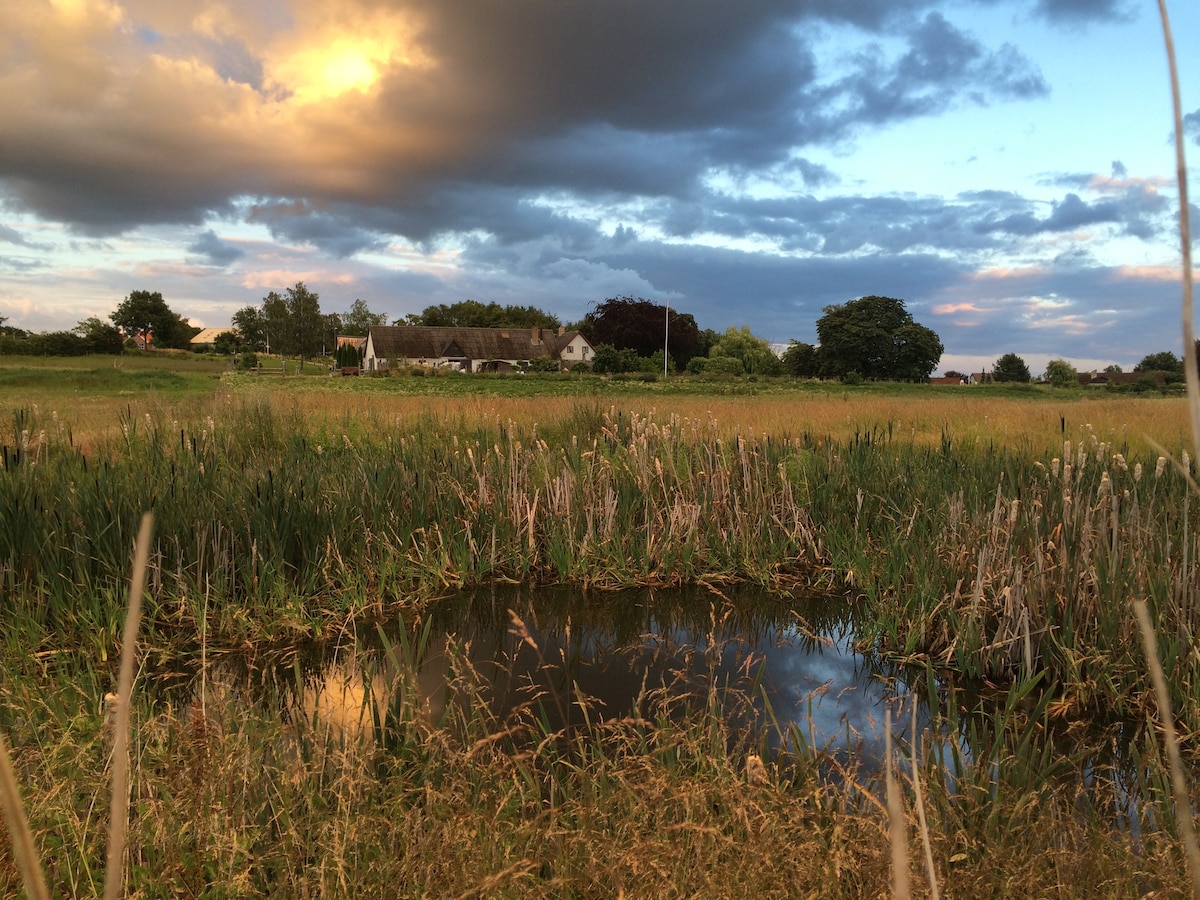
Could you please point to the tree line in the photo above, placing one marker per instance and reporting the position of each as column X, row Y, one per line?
column 870, row 338
column 143, row 316
column 1163, row 365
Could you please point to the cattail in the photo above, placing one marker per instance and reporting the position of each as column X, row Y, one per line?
column 1187, row 463
column 1160, row 467
column 1105, row 486
column 1119, row 462
column 756, row 772
column 1054, row 463
column 1137, row 473
column 1013, row 508
column 108, row 718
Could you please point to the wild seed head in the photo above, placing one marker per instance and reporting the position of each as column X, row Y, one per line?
column 1013, row 509
column 1137, row 473
column 1186, row 460
column 1119, row 462
column 108, row 718
column 1054, row 463
column 1160, row 467
column 756, row 772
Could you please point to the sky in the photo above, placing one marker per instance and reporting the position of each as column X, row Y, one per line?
column 1004, row 167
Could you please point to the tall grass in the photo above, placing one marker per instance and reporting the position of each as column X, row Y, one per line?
column 986, row 561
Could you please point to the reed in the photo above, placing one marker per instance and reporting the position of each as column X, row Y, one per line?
column 988, row 561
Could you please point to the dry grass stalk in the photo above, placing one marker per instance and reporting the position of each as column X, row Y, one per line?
column 119, row 807
column 901, row 888
column 1183, row 802
column 919, row 800
column 1185, row 234
column 18, row 827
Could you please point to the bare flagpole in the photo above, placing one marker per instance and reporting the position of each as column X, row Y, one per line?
column 666, row 333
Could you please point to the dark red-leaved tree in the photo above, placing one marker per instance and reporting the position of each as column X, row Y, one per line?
column 637, row 324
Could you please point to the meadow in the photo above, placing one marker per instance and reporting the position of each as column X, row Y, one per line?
column 988, row 543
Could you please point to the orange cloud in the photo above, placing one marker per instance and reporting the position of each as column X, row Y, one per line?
column 1148, row 273
column 949, row 308
column 998, row 273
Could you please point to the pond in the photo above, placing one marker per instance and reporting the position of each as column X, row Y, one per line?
column 783, row 671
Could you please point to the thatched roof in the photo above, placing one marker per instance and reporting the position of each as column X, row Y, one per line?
column 208, row 335
column 441, row 342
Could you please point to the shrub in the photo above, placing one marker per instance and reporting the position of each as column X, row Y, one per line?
column 723, row 365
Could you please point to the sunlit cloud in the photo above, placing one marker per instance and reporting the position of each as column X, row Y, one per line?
column 1007, row 273
column 1169, row 274
column 946, row 309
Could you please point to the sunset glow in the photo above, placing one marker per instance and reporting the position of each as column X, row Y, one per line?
column 763, row 163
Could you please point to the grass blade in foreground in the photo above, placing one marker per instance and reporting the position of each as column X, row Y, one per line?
column 1183, row 803
column 119, row 810
column 18, row 828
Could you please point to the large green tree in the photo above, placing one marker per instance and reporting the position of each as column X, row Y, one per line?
column 1010, row 367
column 755, row 354
column 473, row 314
column 100, row 336
column 252, row 328
column 1163, row 361
column 877, row 338
column 801, row 360
column 277, row 324
column 359, row 320
column 1061, row 374
column 145, row 312
column 307, row 325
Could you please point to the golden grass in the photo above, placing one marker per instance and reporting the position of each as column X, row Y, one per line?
column 922, row 415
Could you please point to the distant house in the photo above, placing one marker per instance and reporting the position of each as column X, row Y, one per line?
column 949, row 379
column 472, row 349
column 207, row 337
column 1101, row 379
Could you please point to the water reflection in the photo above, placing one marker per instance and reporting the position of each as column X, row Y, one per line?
column 782, row 671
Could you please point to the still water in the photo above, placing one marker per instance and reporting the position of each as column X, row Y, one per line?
column 782, row 672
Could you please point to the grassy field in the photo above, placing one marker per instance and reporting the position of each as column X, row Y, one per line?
column 989, row 541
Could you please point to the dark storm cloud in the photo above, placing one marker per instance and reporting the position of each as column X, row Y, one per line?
column 530, row 95
column 337, row 231
column 1135, row 207
column 12, row 236
column 941, row 66
column 1191, row 125
column 1080, row 12
column 218, row 252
